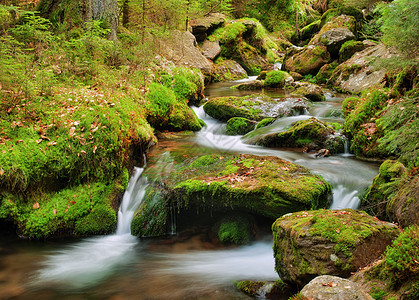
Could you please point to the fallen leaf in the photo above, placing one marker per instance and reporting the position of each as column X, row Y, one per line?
column 36, row 205
column 1, row 172
column 82, row 151
column 38, row 141
column 54, row 211
column 94, row 149
column 72, row 131
column 338, row 230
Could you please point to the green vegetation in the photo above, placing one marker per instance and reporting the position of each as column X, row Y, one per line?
column 349, row 48
column 276, row 79
column 239, row 126
column 234, row 229
column 224, row 108
column 265, row 122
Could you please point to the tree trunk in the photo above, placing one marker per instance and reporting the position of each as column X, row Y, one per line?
column 106, row 10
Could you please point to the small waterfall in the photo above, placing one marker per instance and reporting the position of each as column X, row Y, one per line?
column 91, row 260
column 344, row 198
column 131, row 201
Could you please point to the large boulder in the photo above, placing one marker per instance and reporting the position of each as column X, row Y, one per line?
column 334, row 288
column 254, row 107
column 358, row 73
column 328, row 242
column 307, row 60
column 239, row 126
column 181, row 48
column 335, row 33
column 227, row 70
column 311, row 134
column 203, row 27
column 211, row 49
column 394, row 194
column 206, row 188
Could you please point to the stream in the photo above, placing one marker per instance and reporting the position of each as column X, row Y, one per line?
column 121, row 266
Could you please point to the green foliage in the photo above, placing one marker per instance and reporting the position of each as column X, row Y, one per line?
column 32, row 29
column 276, row 78
column 401, row 258
column 400, row 26
column 378, row 294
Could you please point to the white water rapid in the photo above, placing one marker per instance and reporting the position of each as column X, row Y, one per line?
column 89, row 261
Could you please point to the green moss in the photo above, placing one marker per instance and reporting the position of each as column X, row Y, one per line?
column 224, row 108
column 349, row 48
column 234, row 230
column 265, row 122
column 79, row 211
column 239, row 126
column 250, row 288
column 276, row 78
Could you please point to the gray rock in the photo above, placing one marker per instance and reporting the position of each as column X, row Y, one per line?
column 211, row 49
column 334, row 38
column 203, row 27
column 306, row 61
column 250, row 85
column 357, row 73
column 181, row 48
column 328, row 287
column 227, row 70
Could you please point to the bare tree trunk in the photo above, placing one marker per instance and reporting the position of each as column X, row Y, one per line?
column 106, row 10
column 125, row 13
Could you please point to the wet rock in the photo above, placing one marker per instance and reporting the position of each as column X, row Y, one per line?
column 228, row 70
column 327, row 242
column 325, row 72
column 311, row 134
column 296, row 76
column 204, row 188
column 181, row 48
column 358, row 73
column 322, row 153
column 307, row 60
column 249, row 85
column 265, row 289
column 254, row 107
column 203, row 27
column 309, row 90
column 239, row 126
column 211, row 49
column 333, row 288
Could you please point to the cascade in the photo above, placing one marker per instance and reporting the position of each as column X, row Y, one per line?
column 89, row 261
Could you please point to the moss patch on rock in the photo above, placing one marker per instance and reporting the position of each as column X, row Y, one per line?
column 239, row 126
column 327, row 242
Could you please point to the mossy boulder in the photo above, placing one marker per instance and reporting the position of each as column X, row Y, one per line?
column 203, row 189
column 166, row 110
column 82, row 210
column 396, row 275
column 312, row 134
column 349, row 48
column 325, row 72
column 239, row 126
column 254, row 107
column 393, row 194
column 327, row 242
column 307, row 60
column 311, row 91
column 265, row 122
column 277, row 79
column 335, row 33
column 227, row 70
column 308, row 31
column 246, row 42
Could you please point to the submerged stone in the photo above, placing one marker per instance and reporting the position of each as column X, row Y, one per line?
column 328, row 242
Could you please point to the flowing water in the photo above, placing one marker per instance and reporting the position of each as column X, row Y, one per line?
column 120, row 266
